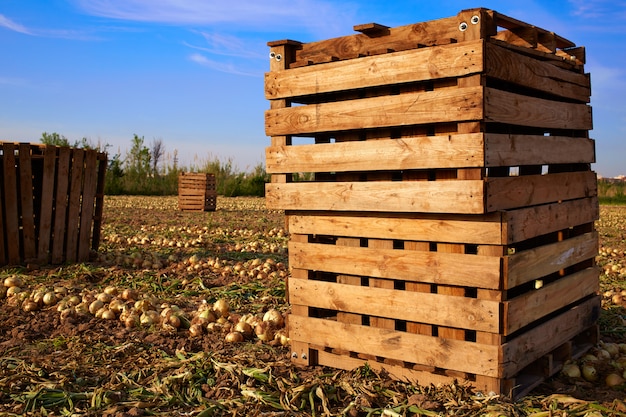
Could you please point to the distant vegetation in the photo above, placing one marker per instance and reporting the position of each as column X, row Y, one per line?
column 611, row 191
column 144, row 170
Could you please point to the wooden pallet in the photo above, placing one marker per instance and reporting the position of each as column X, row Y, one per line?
column 447, row 229
column 197, row 192
column 52, row 202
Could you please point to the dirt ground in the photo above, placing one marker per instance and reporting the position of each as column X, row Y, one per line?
column 76, row 364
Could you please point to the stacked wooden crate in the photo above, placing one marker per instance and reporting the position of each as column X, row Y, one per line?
column 448, row 231
column 197, row 192
column 51, row 205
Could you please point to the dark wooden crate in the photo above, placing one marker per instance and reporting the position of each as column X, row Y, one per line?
column 52, row 202
column 197, row 192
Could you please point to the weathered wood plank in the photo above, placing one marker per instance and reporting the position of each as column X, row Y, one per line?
column 87, row 205
column 29, row 242
column 399, row 38
column 73, row 211
column 392, row 196
column 445, row 353
column 445, row 105
column 534, row 305
column 504, row 193
column 484, row 229
column 535, row 263
column 11, row 212
column 438, row 309
column 47, row 200
column 507, row 65
column 60, row 209
column 530, row 222
column 450, row 151
column 453, row 60
column 516, row 150
column 527, row 347
column 408, row 265
column 516, row 109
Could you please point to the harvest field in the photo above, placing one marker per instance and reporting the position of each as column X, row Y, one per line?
column 143, row 329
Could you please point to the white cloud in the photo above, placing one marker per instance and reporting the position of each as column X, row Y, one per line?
column 313, row 16
column 222, row 66
column 11, row 25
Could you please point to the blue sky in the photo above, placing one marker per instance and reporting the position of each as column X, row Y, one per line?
column 190, row 72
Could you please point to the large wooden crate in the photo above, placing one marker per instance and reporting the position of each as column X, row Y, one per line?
column 448, row 228
column 197, row 192
column 52, row 202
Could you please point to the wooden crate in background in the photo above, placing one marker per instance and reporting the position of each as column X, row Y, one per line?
column 52, row 202
column 448, row 231
column 197, row 192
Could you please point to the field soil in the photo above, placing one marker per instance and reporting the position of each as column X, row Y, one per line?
column 59, row 358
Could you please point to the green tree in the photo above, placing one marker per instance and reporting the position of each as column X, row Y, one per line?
column 54, row 139
column 137, row 167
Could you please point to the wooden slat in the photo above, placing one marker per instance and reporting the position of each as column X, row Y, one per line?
column 407, row 196
column 484, row 229
column 453, row 60
column 516, row 109
column 73, row 211
column 3, row 255
column 504, row 193
column 534, row 305
column 535, row 263
column 375, row 319
column 531, row 345
column 516, row 150
column 87, row 205
column 99, row 204
column 448, row 151
column 408, row 265
column 60, row 209
column 438, row 309
column 47, row 200
column 399, row 38
column 507, row 65
column 446, row 105
column 534, row 221
column 29, row 241
column 11, row 204
column 445, row 353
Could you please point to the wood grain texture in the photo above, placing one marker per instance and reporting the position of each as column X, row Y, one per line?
column 47, row 201
column 453, row 60
column 11, row 212
column 507, row 65
column 439, row 106
column 534, row 305
column 503, row 193
column 409, row 265
column 408, row 196
column 535, row 263
column 482, row 229
column 27, row 213
column 438, row 309
column 449, row 151
column 445, row 353
column 516, row 109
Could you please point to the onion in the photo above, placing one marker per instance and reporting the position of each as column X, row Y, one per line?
column 243, row 328
column 612, row 349
column 49, row 298
column 234, row 337
column 13, row 281
column 221, row 307
column 128, row 294
column 571, row 370
column 30, row 305
column 174, row 321
column 132, row 320
column 13, row 291
column 589, row 373
column 149, row 317
column 195, row 330
column 264, row 331
column 108, row 314
column 613, row 380
column 95, row 306
column 274, row 318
